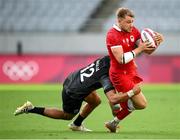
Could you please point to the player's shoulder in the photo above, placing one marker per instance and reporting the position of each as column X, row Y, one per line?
column 112, row 30
column 104, row 58
column 112, row 34
column 105, row 61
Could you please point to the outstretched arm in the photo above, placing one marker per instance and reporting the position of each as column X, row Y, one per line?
column 115, row 98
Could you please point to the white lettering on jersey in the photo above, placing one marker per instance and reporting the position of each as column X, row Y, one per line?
column 84, row 74
column 97, row 65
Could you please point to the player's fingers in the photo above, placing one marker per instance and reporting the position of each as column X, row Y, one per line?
column 150, row 49
column 158, row 40
column 149, row 44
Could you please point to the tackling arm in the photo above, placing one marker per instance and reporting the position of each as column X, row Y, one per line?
column 115, row 98
column 110, row 91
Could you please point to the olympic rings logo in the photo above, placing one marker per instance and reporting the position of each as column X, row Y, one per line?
column 20, row 70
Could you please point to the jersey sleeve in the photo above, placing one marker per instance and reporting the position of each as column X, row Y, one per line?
column 106, row 83
column 112, row 40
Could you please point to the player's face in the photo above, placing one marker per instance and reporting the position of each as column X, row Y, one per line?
column 126, row 23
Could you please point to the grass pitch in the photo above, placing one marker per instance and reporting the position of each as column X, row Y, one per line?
column 160, row 120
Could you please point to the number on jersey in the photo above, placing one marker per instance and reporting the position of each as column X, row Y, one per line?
column 87, row 72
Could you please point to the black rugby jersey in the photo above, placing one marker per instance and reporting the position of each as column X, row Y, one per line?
column 94, row 76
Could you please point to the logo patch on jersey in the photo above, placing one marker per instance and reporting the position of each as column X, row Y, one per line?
column 132, row 38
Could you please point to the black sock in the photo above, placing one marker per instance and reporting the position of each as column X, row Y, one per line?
column 37, row 110
column 78, row 120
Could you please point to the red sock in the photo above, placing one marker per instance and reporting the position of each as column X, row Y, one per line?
column 124, row 112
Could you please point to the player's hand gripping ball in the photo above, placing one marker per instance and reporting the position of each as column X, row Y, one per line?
column 148, row 35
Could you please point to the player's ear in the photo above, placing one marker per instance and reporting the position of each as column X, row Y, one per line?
column 119, row 19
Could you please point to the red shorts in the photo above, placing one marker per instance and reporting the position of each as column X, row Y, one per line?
column 124, row 81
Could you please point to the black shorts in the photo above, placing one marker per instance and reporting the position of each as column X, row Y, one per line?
column 70, row 105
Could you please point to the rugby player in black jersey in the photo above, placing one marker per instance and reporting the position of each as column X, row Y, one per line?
column 80, row 86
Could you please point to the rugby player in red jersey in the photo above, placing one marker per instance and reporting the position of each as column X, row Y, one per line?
column 124, row 44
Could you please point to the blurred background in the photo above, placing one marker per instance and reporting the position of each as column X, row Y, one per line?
column 42, row 41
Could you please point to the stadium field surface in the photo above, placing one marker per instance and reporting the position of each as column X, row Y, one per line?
column 160, row 120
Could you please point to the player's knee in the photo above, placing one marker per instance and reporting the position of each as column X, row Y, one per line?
column 97, row 102
column 137, row 90
column 142, row 105
column 94, row 103
column 93, row 100
column 68, row 116
column 139, row 101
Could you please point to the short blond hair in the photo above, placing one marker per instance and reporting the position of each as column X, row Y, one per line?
column 122, row 12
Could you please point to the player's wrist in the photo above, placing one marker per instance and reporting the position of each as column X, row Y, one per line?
column 138, row 51
column 134, row 54
column 130, row 93
column 128, row 56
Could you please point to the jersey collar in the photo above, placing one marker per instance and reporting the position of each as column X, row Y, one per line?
column 116, row 27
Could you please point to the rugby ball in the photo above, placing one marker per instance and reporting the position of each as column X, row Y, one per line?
column 147, row 35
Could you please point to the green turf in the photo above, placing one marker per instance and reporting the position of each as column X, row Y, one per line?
column 160, row 120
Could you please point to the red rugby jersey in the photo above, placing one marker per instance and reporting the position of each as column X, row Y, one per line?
column 116, row 37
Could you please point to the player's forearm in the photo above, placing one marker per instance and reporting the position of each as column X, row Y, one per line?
column 121, row 57
column 116, row 98
column 119, row 98
column 125, row 57
column 137, row 51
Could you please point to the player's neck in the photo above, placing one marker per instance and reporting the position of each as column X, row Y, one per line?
column 119, row 26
